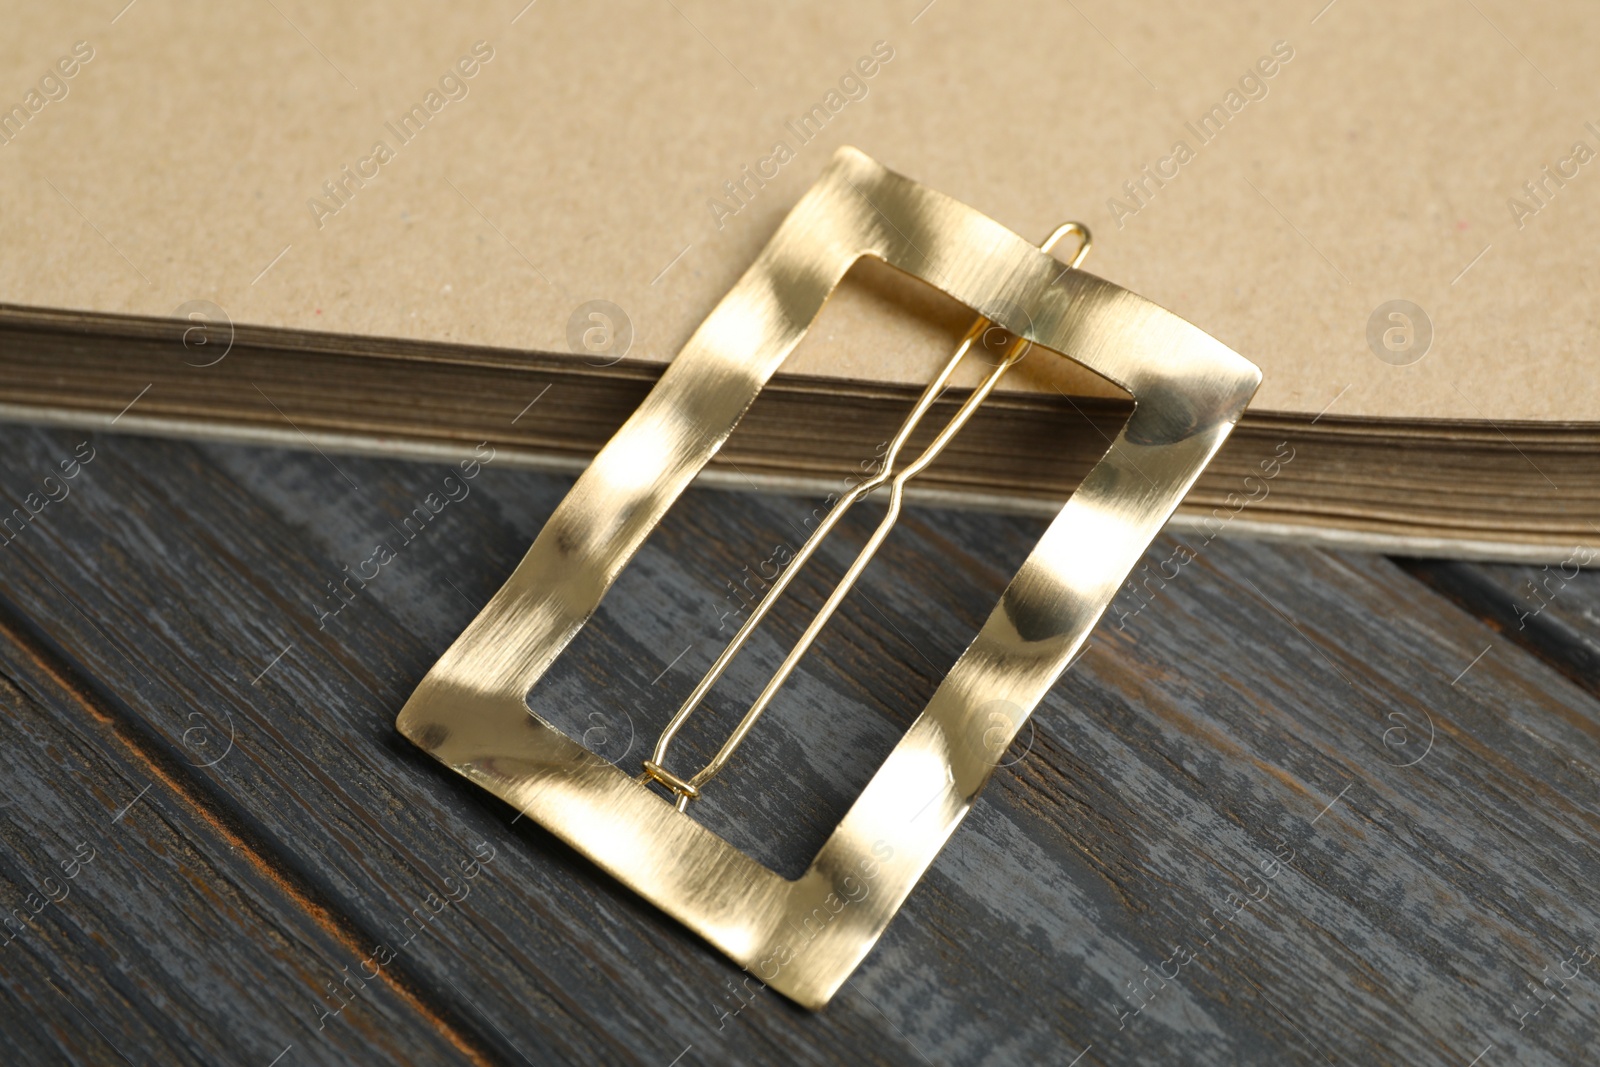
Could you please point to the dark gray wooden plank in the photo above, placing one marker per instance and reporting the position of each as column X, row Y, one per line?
column 1267, row 698
column 1425, row 896
column 1551, row 611
column 137, row 926
column 167, row 579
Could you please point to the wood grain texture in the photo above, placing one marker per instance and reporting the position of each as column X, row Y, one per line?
column 145, row 928
column 1551, row 611
column 1434, row 828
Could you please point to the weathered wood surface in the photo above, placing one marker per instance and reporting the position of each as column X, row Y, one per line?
column 1552, row 611
column 135, row 913
column 1315, row 729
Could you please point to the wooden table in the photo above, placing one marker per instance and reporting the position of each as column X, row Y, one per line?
column 1298, row 807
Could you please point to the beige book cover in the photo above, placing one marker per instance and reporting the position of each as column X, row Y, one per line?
column 1389, row 207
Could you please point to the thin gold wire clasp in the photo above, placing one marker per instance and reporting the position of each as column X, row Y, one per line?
column 687, row 789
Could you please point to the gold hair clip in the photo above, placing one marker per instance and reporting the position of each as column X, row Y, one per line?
column 804, row 937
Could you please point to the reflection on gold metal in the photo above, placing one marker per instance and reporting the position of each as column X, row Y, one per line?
column 805, row 937
column 687, row 790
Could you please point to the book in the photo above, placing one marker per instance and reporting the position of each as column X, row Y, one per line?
column 408, row 232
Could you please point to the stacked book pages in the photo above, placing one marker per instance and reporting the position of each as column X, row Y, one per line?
column 410, row 233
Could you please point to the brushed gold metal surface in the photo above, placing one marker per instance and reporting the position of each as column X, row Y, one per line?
column 888, row 474
column 804, row 937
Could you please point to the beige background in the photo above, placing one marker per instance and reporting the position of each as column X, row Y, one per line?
column 1377, row 167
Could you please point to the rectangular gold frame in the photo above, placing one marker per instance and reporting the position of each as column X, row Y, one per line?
column 805, row 937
